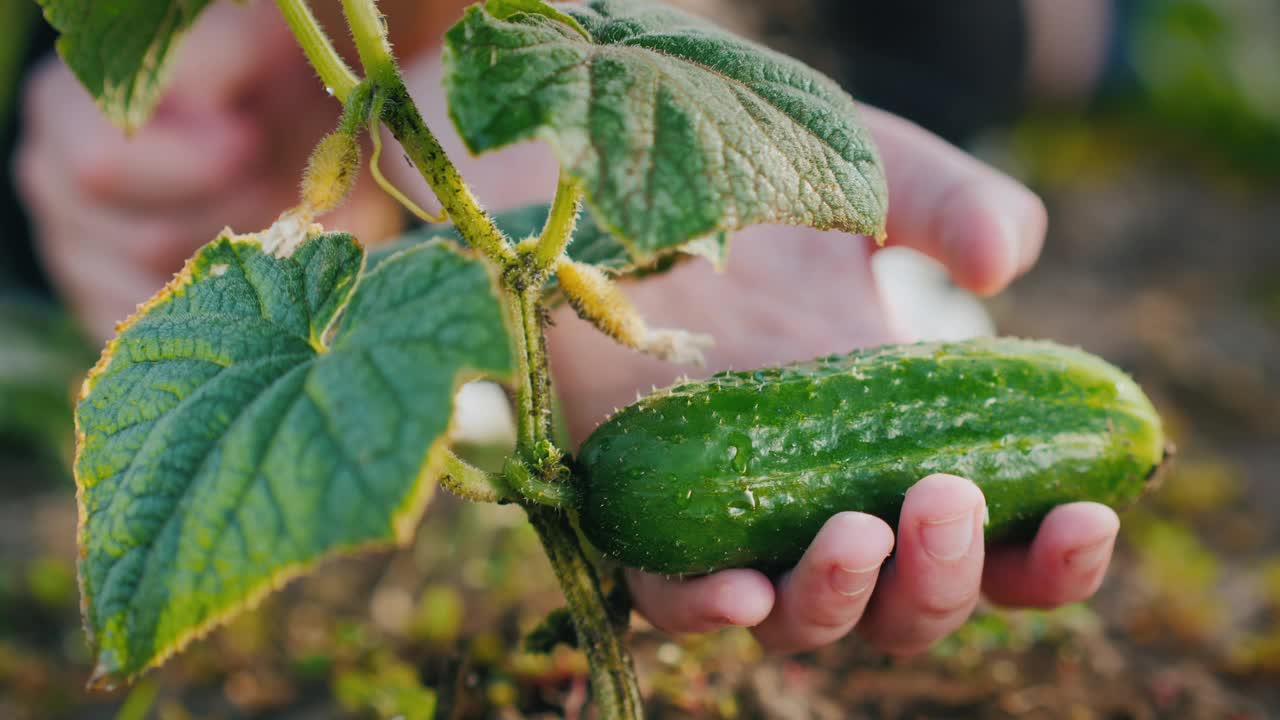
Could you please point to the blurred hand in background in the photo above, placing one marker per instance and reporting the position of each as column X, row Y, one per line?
column 115, row 216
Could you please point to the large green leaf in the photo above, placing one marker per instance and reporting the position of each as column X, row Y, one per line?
column 677, row 129
column 119, row 48
column 234, row 433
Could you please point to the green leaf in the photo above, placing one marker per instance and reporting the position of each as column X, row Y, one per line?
column 590, row 244
column 555, row 629
column 234, row 433
column 676, row 129
column 503, row 9
column 119, row 48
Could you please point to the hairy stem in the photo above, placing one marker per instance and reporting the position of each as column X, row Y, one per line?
column 333, row 71
column 401, row 116
column 558, row 230
column 370, row 34
column 537, row 489
column 613, row 675
column 468, row 481
column 539, row 376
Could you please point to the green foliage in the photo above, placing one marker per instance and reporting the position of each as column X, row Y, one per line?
column 1207, row 68
column 238, row 429
column 503, row 9
column 15, row 26
column 51, row 582
column 120, row 48
column 677, row 129
column 555, row 629
column 391, row 690
column 40, row 359
column 438, row 618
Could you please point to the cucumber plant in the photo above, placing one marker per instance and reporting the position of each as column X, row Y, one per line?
column 288, row 395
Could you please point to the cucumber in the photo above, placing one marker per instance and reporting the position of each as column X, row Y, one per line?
column 742, row 469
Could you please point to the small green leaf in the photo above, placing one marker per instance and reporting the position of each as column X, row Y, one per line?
column 503, row 9
column 555, row 629
column 119, row 48
column 235, row 433
column 677, row 129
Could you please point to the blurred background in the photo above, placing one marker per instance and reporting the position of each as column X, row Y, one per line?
column 1152, row 130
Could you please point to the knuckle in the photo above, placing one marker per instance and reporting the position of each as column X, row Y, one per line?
column 95, row 169
column 823, row 616
column 940, row 607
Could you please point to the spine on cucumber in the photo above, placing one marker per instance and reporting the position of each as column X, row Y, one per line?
column 742, row 469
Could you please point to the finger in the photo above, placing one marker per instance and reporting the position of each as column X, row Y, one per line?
column 225, row 54
column 71, row 224
column 983, row 225
column 821, row 600
column 731, row 597
column 174, row 161
column 1065, row 563
column 932, row 584
column 170, row 165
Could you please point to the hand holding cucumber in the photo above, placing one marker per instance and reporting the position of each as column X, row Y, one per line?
column 772, row 307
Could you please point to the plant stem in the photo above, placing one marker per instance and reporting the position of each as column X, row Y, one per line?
column 613, row 676
column 401, row 116
column 370, row 34
column 468, row 481
column 558, row 230
column 539, row 375
column 333, row 71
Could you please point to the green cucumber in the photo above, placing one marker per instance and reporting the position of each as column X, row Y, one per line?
column 742, row 469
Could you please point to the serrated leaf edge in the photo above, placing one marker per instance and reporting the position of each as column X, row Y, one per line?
column 404, row 521
column 546, row 132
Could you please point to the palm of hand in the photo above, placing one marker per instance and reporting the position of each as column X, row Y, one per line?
column 786, row 294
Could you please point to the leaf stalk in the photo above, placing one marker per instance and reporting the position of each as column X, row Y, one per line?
column 470, row 482
column 370, row 34
column 561, row 221
column 333, row 70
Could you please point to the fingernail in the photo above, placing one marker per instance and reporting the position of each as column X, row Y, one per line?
column 948, row 538
column 852, row 583
column 1089, row 557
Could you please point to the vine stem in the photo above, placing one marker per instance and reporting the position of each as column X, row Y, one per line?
column 404, row 121
column 370, row 34
column 613, row 677
column 333, row 71
column 470, row 482
column 561, row 220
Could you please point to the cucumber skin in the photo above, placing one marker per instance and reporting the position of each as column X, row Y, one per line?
column 743, row 469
